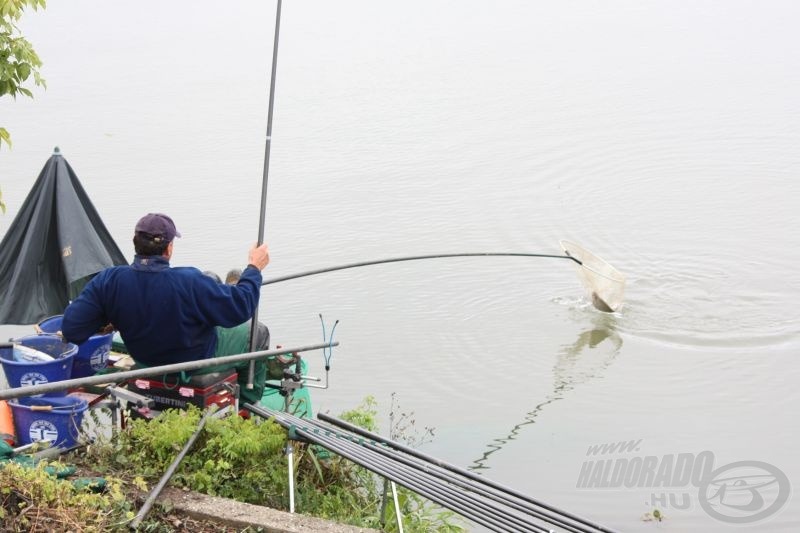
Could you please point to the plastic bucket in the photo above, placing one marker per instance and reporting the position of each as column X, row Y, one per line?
column 54, row 419
column 92, row 354
column 23, row 374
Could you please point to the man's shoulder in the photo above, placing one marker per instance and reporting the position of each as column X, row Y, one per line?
column 186, row 271
column 112, row 271
column 188, row 274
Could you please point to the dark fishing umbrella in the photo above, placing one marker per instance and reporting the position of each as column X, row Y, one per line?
column 52, row 248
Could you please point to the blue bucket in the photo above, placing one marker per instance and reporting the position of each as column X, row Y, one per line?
column 92, row 354
column 23, row 374
column 54, row 419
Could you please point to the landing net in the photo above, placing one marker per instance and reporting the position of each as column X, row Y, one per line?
column 604, row 284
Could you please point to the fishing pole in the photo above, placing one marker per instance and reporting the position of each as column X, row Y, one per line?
column 265, row 178
column 414, row 258
column 470, row 505
column 476, row 509
column 455, row 469
column 474, row 498
column 604, row 283
column 471, row 486
column 337, row 445
column 475, row 484
column 422, row 482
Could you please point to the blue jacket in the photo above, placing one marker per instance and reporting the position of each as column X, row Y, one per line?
column 165, row 315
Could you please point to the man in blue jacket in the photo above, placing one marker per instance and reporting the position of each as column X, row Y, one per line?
column 164, row 314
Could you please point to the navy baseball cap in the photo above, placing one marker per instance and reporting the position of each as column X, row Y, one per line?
column 158, row 226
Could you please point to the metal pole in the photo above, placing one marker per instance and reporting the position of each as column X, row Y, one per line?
column 383, row 502
column 265, row 178
column 151, row 498
column 116, row 377
column 290, row 458
column 397, row 508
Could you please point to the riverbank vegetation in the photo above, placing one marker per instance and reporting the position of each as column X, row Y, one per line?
column 237, row 458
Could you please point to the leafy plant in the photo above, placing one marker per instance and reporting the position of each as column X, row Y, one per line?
column 418, row 513
column 33, row 500
column 18, row 60
column 245, row 459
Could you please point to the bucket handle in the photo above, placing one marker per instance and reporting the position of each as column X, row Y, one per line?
column 56, row 408
column 40, row 331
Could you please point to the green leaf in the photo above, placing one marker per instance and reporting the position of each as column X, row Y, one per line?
column 39, row 80
column 23, row 71
column 18, row 59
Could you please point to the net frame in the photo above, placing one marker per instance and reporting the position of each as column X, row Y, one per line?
column 604, row 283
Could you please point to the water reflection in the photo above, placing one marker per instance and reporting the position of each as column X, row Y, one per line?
column 577, row 363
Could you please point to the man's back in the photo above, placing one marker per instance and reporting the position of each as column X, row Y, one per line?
column 165, row 315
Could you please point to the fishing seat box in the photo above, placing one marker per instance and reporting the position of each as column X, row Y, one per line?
column 203, row 390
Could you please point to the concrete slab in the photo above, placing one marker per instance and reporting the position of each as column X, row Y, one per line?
column 243, row 515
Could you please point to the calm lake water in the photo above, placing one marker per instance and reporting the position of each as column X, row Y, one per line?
column 663, row 136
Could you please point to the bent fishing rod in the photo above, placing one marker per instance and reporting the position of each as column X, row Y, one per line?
column 604, row 283
column 415, row 258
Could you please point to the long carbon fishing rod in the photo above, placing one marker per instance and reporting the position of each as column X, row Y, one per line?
column 479, row 511
column 433, row 481
column 265, row 177
column 415, row 466
column 339, row 446
column 473, row 486
column 466, row 473
column 417, row 477
column 476, row 502
column 414, row 258
column 471, row 505
column 441, row 492
column 481, row 486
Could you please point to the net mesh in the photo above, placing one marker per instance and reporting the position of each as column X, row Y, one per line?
column 604, row 283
